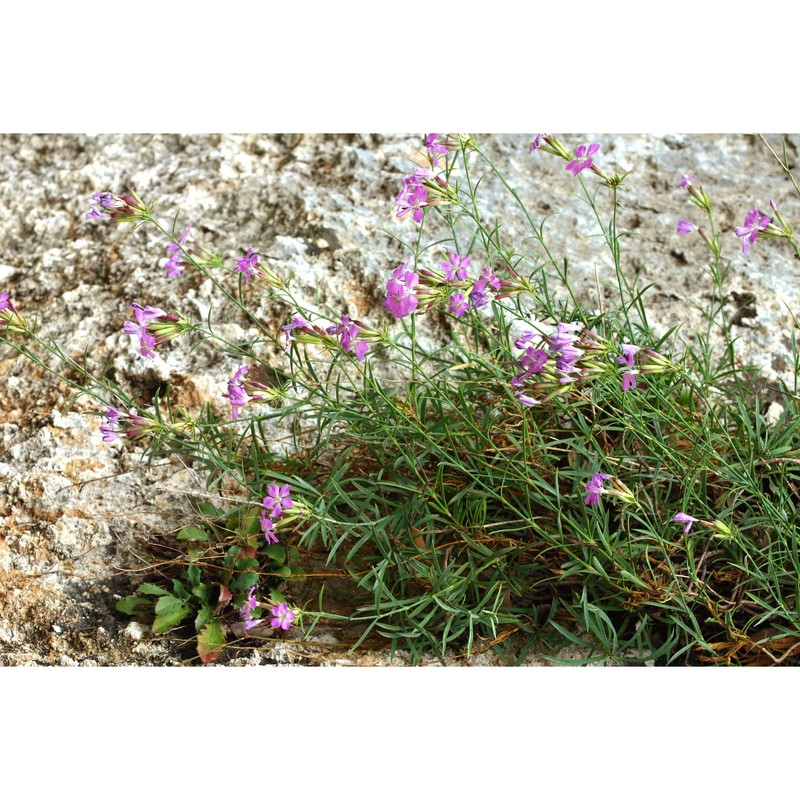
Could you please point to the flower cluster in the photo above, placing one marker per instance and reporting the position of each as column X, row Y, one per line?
column 11, row 321
column 348, row 332
column 154, row 327
column 250, row 605
column 175, row 263
column 550, row 362
column 134, row 426
column 413, row 196
column 629, row 352
column 282, row 615
column 594, row 488
column 242, row 390
column 408, row 290
column 122, row 208
column 352, row 336
column 421, row 189
column 250, row 265
column 400, row 297
column 279, row 508
column 578, row 160
column 435, row 148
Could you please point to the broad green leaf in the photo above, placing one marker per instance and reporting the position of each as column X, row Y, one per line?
column 210, row 510
column 277, row 553
column 243, row 582
column 179, row 589
column 193, row 534
column 204, row 616
column 151, row 588
column 210, row 642
column 193, row 573
column 133, row 605
column 201, row 591
column 171, row 612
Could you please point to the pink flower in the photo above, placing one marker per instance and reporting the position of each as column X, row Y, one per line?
column 684, row 227
column 236, row 394
column 400, row 297
column 629, row 380
column 413, row 197
column 458, row 304
column 278, row 498
column 247, row 609
column 687, row 181
column 348, row 332
column 282, row 616
column 154, row 327
column 754, row 223
column 583, row 158
column 435, row 148
column 175, row 265
column 594, row 488
column 536, row 143
column 297, row 322
column 681, row 517
column 268, row 529
column 456, row 267
column 247, row 264
column 629, row 351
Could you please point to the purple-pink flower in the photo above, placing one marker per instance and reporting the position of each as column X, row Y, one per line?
column 400, row 297
column 686, row 181
column 435, row 148
column 248, row 607
column 282, row 616
column 413, row 196
column 10, row 319
column 536, row 143
column 236, row 393
column 115, row 207
column 458, row 304
column 582, row 158
column 754, row 223
column 297, row 322
column 348, row 332
column 456, row 267
column 684, row 518
column 247, row 264
column 278, row 498
column 684, row 227
column 134, row 426
column 268, row 529
column 629, row 352
column 175, row 265
column 594, row 488
column 153, row 327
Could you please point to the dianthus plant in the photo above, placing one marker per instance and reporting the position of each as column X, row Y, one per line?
column 517, row 483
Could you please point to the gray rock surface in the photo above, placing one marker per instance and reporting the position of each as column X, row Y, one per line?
column 75, row 512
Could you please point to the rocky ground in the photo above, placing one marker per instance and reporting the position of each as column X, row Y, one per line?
column 76, row 513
